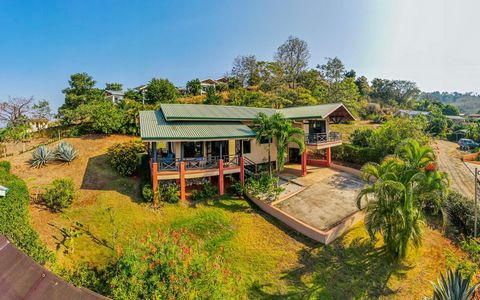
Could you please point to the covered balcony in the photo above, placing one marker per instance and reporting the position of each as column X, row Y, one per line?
column 323, row 140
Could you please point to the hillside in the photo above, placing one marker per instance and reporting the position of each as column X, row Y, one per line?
column 468, row 103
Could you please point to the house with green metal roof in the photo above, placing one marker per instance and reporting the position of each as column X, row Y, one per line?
column 188, row 142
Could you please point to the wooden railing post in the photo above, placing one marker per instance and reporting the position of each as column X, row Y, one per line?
column 242, row 170
column 182, row 181
column 220, row 177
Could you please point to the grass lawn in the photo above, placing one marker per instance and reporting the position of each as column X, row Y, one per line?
column 266, row 258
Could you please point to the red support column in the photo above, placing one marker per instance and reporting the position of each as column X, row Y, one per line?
column 329, row 156
column 182, row 181
column 304, row 163
column 242, row 170
column 220, row 177
column 154, row 172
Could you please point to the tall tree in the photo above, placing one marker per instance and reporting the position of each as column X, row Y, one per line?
column 245, row 69
column 42, row 110
column 363, row 86
column 14, row 111
column 293, row 56
column 161, row 91
column 401, row 93
column 333, row 70
column 113, row 86
column 81, row 90
column 194, row 87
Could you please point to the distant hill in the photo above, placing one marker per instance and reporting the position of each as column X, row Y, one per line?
column 468, row 103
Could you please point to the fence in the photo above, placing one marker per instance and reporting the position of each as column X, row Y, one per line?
column 43, row 137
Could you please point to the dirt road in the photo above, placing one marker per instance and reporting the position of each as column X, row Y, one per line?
column 449, row 160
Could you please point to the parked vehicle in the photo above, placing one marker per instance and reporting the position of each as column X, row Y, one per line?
column 466, row 144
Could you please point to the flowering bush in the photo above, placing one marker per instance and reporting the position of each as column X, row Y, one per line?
column 125, row 157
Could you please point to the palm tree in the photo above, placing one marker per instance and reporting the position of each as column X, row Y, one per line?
column 453, row 287
column 392, row 212
column 285, row 133
column 264, row 130
column 400, row 183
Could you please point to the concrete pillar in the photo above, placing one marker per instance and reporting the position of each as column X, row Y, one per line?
column 329, row 156
column 182, row 180
column 221, row 187
column 154, row 173
column 304, row 163
column 242, row 170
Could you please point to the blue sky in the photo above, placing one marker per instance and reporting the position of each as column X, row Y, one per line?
column 43, row 42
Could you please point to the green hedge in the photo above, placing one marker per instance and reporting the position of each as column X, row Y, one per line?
column 355, row 154
column 14, row 217
column 460, row 212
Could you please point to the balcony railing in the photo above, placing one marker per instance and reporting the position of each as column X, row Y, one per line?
column 200, row 163
column 319, row 138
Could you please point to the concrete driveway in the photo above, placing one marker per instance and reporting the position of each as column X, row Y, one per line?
column 329, row 197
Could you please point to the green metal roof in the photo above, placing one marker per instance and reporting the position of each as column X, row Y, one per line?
column 153, row 126
column 193, row 112
column 309, row 112
column 178, row 112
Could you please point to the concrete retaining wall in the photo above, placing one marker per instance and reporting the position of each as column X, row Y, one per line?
column 324, row 237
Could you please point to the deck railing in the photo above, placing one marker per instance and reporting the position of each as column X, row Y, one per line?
column 200, row 163
column 319, row 138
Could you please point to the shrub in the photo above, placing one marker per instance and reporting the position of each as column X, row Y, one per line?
column 265, row 187
column 66, row 152
column 41, row 156
column 207, row 192
column 162, row 266
column 14, row 218
column 125, row 157
column 460, row 212
column 356, row 154
column 168, row 193
column 60, row 194
column 5, row 166
column 236, row 189
column 147, row 193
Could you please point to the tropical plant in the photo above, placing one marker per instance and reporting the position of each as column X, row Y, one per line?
column 264, row 131
column 59, row 194
column 400, row 184
column 41, row 156
column 453, row 286
column 66, row 152
column 285, row 133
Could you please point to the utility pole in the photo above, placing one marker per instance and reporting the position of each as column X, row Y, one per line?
column 476, row 209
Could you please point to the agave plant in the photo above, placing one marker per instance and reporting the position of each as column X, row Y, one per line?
column 453, row 287
column 66, row 152
column 41, row 156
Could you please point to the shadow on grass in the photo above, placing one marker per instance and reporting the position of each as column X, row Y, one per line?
column 358, row 270
column 100, row 176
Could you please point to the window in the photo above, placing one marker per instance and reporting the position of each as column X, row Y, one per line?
column 247, row 147
column 264, row 140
